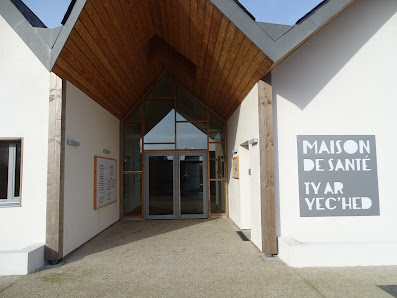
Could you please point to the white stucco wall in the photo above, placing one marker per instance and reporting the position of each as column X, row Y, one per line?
column 342, row 82
column 244, row 193
column 24, row 103
column 95, row 129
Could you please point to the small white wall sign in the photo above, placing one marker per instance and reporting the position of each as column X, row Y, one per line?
column 337, row 176
column 105, row 181
column 235, row 167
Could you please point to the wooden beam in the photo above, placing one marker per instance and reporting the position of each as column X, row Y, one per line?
column 56, row 165
column 266, row 151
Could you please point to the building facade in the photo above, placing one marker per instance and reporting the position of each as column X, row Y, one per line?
column 199, row 111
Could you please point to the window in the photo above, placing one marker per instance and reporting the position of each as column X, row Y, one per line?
column 10, row 173
column 168, row 118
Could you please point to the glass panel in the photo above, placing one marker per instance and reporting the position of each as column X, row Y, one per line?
column 191, row 184
column 3, row 169
column 191, row 135
column 164, row 88
column 159, row 121
column 161, row 186
column 132, row 147
column 218, row 197
column 159, row 147
column 136, row 114
column 217, row 129
column 17, row 170
column 217, row 160
column 132, row 195
column 188, row 109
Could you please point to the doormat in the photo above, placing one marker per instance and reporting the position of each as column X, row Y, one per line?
column 390, row 289
column 242, row 236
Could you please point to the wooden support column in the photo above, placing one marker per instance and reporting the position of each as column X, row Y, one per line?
column 268, row 212
column 55, row 177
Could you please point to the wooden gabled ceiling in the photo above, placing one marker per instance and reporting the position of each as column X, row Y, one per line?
column 118, row 48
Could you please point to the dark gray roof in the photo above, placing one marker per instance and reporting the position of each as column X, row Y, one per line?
column 28, row 14
column 276, row 41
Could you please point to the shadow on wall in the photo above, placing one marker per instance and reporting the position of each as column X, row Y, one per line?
column 349, row 32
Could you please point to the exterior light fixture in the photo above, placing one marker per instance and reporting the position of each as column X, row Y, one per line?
column 254, row 141
column 73, row 143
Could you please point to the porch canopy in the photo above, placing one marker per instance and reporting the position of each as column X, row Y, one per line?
column 114, row 50
column 117, row 49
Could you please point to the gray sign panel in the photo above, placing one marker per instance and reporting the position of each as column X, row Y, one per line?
column 337, row 176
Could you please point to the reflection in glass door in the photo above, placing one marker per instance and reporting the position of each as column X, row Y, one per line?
column 176, row 185
column 191, row 190
column 161, row 181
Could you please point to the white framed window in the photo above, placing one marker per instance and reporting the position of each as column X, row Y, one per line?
column 10, row 173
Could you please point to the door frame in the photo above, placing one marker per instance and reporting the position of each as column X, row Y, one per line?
column 176, row 184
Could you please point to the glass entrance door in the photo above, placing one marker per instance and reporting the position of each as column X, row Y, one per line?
column 176, row 185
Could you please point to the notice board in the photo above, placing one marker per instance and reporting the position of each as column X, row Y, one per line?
column 337, row 175
column 105, row 181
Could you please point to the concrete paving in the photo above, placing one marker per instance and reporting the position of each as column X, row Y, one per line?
column 187, row 258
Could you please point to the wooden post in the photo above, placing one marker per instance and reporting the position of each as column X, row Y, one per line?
column 268, row 212
column 55, row 178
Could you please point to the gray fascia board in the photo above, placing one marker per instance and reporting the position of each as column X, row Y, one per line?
column 30, row 35
column 65, row 31
column 247, row 25
column 28, row 14
column 11, row 14
column 276, row 50
column 35, row 42
column 311, row 23
column 325, row 12
column 293, row 37
column 227, row 7
column 49, row 35
column 275, row 31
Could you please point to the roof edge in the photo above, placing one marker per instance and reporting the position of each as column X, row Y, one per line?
column 247, row 25
column 29, row 15
column 312, row 18
column 38, row 38
column 277, row 47
column 47, row 44
column 275, row 31
column 309, row 25
column 67, row 28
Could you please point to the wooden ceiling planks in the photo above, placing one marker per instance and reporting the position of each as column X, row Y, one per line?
column 225, row 71
column 107, row 55
column 220, row 63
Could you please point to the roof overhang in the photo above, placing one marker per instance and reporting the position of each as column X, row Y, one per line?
column 115, row 50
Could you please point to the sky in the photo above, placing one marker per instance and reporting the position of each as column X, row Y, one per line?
column 50, row 12
column 286, row 12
